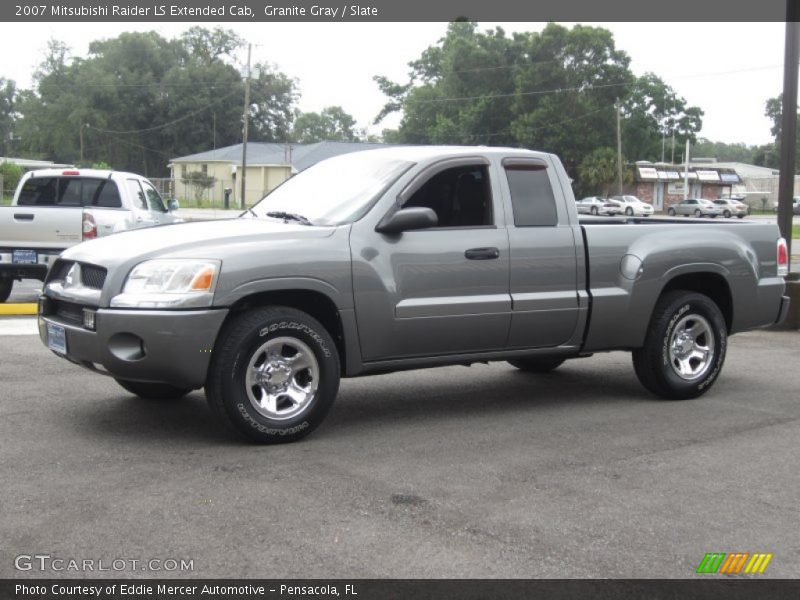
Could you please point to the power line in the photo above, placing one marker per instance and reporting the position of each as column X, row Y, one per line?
column 162, row 126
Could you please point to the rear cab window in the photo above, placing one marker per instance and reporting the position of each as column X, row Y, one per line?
column 70, row 192
column 532, row 198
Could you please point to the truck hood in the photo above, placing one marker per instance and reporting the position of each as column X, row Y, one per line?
column 203, row 239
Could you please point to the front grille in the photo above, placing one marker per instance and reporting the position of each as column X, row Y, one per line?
column 91, row 276
column 68, row 311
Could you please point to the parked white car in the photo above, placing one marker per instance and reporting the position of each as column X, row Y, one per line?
column 695, row 207
column 54, row 209
column 732, row 208
column 632, row 206
column 595, row 205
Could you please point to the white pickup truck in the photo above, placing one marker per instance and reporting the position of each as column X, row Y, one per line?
column 54, row 209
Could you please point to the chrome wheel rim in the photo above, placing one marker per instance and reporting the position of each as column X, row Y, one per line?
column 282, row 378
column 691, row 347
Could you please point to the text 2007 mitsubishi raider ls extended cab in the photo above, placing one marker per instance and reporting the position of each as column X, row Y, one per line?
column 402, row 258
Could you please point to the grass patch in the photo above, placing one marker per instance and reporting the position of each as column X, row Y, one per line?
column 795, row 232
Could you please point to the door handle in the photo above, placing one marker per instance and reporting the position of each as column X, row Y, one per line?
column 482, row 253
column 23, row 217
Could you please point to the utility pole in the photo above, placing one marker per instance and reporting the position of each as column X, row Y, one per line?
column 83, row 125
column 789, row 123
column 214, row 133
column 619, row 148
column 246, row 118
column 673, row 133
column 686, row 171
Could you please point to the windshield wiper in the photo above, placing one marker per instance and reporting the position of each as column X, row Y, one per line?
column 287, row 216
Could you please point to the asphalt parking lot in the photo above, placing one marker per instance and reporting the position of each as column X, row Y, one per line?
column 452, row 472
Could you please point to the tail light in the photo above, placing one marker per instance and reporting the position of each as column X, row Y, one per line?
column 783, row 258
column 89, row 227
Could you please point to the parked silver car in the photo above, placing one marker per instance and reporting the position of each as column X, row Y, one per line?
column 732, row 208
column 697, row 207
column 632, row 206
column 595, row 205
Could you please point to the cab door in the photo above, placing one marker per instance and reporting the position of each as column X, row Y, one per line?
column 441, row 290
column 141, row 214
column 544, row 261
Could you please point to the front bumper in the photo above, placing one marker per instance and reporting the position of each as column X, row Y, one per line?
column 166, row 346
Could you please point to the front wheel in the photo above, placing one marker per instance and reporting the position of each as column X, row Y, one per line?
column 6, row 283
column 698, row 214
column 671, row 212
column 629, row 211
column 153, row 391
column 684, row 349
column 274, row 374
column 536, row 365
column 727, row 214
column 594, row 211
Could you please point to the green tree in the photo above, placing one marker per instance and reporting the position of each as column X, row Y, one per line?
column 331, row 124
column 10, row 174
column 598, row 172
column 553, row 90
column 140, row 99
column 199, row 182
column 737, row 152
column 770, row 156
column 8, row 96
column 652, row 113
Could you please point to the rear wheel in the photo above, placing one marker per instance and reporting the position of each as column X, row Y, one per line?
column 685, row 346
column 698, row 213
column 594, row 211
column 629, row 211
column 671, row 212
column 6, row 283
column 536, row 365
column 153, row 391
column 727, row 214
column 274, row 374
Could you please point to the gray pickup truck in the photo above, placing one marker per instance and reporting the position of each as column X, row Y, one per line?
column 404, row 258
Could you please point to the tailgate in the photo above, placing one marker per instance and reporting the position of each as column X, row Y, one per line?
column 40, row 227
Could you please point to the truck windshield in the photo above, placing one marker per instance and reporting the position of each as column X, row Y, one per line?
column 336, row 191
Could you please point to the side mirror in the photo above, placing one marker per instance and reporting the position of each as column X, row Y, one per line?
column 408, row 219
column 173, row 205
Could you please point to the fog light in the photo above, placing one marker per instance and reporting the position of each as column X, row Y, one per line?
column 88, row 318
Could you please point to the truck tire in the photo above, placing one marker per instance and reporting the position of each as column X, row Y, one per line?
column 153, row 391
column 274, row 374
column 6, row 283
column 536, row 365
column 685, row 346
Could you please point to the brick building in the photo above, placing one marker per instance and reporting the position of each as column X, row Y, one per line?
column 662, row 184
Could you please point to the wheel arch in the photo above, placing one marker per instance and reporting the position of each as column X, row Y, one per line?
column 709, row 283
column 313, row 302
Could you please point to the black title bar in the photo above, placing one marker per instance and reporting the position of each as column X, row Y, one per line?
column 394, row 10
column 711, row 588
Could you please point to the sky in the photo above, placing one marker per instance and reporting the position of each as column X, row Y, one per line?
column 727, row 69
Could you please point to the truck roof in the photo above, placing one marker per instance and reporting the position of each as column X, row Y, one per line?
column 419, row 153
column 77, row 172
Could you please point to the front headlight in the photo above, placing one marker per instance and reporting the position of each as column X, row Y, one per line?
column 169, row 283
